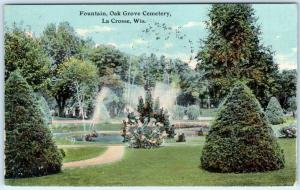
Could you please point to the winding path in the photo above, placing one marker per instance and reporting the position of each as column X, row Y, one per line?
column 112, row 154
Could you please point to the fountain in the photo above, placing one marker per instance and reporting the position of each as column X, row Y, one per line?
column 100, row 112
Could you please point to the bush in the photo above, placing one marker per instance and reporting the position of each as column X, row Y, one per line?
column 193, row 112
column 241, row 138
column 180, row 138
column 29, row 148
column 178, row 112
column 147, row 128
column 274, row 112
column 288, row 132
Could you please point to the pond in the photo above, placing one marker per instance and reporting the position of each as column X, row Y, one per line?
column 107, row 138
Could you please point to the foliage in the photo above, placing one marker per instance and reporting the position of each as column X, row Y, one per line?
column 287, row 81
column 193, row 112
column 288, row 132
column 109, row 61
column 23, row 52
column 44, row 109
column 178, row 112
column 274, row 112
column 241, row 139
column 232, row 51
column 148, row 106
column 180, row 137
column 81, row 77
column 141, row 105
column 146, row 136
column 292, row 105
column 29, row 149
column 185, row 99
column 152, row 70
column 147, row 128
column 112, row 67
column 60, row 43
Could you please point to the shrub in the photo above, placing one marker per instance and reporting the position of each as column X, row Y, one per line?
column 241, row 138
column 147, row 128
column 288, row 132
column 180, row 138
column 193, row 112
column 146, row 135
column 178, row 112
column 274, row 112
column 29, row 148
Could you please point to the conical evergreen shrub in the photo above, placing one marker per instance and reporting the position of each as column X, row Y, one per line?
column 274, row 112
column 29, row 148
column 241, row 139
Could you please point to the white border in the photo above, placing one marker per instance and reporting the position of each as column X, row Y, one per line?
column 3, row 2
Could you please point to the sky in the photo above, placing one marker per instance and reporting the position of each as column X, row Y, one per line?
column 278, row 24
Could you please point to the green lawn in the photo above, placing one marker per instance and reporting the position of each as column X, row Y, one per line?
column 166, row 166
column 60, row 128
column 204, row 112
column 82, row 153
column 288, row 121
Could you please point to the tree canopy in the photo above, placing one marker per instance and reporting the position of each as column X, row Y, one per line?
column 232, row 51
column 82, row 77
column 287, row 82
column 23, row 52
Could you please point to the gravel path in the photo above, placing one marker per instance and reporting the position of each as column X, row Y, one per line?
column 112, row 154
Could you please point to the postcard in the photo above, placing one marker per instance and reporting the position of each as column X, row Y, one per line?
column 150, row 94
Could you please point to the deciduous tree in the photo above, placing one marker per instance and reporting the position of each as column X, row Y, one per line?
column 23, row 52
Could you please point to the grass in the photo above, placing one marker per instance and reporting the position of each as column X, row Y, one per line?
column 61, row 128
column 82, row 153
column 212, row 112
column 166, row 166
column 287, row 122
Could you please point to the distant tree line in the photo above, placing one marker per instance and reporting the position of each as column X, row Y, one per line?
column 68, row 70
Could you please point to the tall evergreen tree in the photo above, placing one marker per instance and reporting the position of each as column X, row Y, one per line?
column 241, row 139
column 232, row 51
column 29, row 148
column 140, row 107
column 148, row 106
